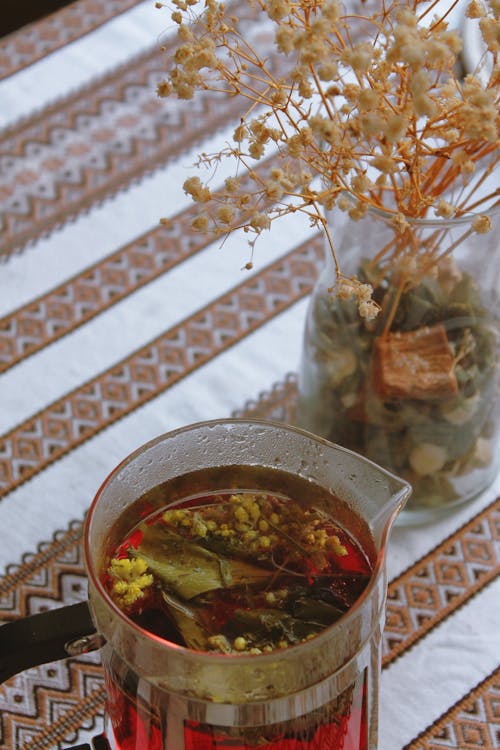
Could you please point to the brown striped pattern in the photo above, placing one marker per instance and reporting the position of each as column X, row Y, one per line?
column 68, row 701
column 473, row 723
column 70, row 421
column 277, row 404
column 43, row 706
column 442, row 581
column 62, row 310
column 38, row 39
column 96, row 141
column 55, row 574
column 59, row 312
column 42, row 574
column 56, row 164
column 84, row 152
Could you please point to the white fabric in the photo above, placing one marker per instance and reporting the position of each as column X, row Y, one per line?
column 442, row 667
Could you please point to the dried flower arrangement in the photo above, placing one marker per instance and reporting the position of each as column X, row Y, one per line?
column 363, row 106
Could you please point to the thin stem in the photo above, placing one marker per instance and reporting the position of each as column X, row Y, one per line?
column 394, row 307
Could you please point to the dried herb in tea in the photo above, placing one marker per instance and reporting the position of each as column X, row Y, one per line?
column 237, row 572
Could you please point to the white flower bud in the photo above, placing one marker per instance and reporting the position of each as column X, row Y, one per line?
column 427, row 458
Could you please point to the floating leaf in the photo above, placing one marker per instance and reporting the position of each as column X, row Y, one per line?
column 271, row 625
column 316, row 611
column 189, row 569
column 340, row 590
column 187, row 621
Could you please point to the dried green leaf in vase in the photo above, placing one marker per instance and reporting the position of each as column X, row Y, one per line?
column 394, row 430
column 384, row 125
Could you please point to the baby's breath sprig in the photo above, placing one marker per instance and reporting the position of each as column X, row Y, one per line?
column 362, row 100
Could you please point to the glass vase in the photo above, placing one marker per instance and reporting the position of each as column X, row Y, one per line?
column 416, row 388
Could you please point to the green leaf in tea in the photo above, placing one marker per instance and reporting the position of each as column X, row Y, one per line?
column 316, row 611
column 188, row 622
column 188, row 569
column 262, row 627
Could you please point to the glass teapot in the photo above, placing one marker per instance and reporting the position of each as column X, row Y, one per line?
column 319, row 694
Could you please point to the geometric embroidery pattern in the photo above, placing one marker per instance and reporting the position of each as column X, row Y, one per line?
column 278, row 404
column 473, row 723
column 54, row 700
column 51, row 704
column 146, row 373
column 97, row 140
column 51, row 575
column 81, row 150
column 78, row 300
column 40, row 38
column 55, row 575
column 442, row 581
column 72, row 690
column 95, row 289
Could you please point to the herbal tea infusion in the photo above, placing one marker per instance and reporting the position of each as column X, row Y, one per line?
column 245, row 572
column 238, row 572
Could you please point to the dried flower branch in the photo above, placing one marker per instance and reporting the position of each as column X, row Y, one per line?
column 365, row 102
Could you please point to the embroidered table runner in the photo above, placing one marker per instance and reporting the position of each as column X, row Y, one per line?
column 115, row 328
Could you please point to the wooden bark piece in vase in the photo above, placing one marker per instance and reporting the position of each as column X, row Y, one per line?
column 414, row 364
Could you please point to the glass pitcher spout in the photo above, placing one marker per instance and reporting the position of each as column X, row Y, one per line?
column 383, row 518
column 374, row 493
column 384, row 501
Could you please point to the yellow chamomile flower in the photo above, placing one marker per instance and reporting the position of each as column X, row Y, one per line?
column 130, row 580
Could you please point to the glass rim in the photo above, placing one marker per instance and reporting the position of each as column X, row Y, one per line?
column 438, row 222
column 215, row 657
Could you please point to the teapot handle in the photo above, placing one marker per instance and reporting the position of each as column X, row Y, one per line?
column 48, row 636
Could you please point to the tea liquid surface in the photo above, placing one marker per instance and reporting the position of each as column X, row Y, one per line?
column 237, row 571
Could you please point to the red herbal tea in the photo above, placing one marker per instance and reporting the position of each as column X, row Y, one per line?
column 341, row 726
column 236, row 570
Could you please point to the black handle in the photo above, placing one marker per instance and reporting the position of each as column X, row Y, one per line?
column 45, row 637
column 98, row 743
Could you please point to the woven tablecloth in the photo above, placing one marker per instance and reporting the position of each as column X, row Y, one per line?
column 115, row 328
